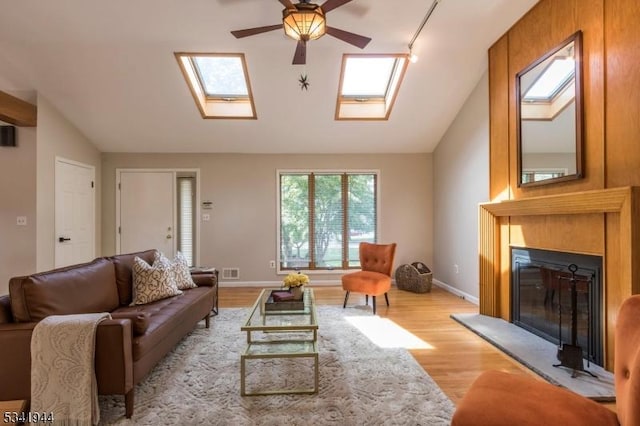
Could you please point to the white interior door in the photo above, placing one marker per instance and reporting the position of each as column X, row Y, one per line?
column 74, row 213
column 147, row 211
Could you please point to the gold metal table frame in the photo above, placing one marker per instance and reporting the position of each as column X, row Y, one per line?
column 277, row 341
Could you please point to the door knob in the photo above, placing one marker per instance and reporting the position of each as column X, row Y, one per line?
column 169, row 237
column 63, row 239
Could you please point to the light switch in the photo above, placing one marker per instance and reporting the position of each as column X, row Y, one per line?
column 206, row 217
column 21, row 221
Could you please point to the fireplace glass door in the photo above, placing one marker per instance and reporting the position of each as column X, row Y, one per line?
column 542, row 290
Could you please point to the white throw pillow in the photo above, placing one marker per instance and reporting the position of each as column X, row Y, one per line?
column 180, row 267
column 151, row 283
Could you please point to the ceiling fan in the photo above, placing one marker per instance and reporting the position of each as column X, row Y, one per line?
column 306, row 21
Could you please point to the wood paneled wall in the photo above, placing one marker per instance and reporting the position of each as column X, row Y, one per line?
column 611, row 97
column 499, row 123
column 622, row 107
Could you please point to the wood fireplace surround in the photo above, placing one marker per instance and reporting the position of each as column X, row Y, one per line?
column 598, row 214
column 618, row 242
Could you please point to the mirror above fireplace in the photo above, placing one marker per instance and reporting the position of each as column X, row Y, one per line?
column 549, row 116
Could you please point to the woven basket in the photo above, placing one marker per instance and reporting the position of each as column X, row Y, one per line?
column 410, row 278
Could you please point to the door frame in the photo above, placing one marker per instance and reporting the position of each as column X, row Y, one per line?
column 175, row 172
column 59, row 160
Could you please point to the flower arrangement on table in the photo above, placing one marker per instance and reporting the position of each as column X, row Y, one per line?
column 295, row 282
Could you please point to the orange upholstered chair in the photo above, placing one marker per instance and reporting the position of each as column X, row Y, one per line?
column 376, row 261
column 498, row 398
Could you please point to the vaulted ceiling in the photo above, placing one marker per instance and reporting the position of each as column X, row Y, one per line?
column 109, row 67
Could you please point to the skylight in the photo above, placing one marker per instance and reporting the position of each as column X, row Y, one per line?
column 552, row 80
column 219, row 83
column 221, row 76
column 369, row 85
column 367, row 76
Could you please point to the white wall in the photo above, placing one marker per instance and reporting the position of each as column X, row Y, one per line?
column 242, row 230
column 28, row 190
column 461, row 181
column 17, row 198
column 550, row 161
column 57, row 137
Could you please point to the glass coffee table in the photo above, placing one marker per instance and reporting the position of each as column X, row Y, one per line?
column 281, row 334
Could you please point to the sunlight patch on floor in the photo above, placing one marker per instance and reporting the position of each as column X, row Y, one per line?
column 387, row 334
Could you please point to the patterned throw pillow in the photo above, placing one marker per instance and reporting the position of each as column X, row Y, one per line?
column 152, row 283
column 182, row 274
column 180, row 268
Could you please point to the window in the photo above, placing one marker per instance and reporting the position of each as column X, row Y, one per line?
column 221, row 76
column 219, row 83
column 552, row 80
column 369, row 85
column 186, row 217
column 535, row 175
column 323, row 217
column 551, row 92
column 367, row 77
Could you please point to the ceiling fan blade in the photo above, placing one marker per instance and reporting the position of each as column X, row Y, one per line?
column 351, row 38
column 332, row 4
column 253, row 31
column 300, row 57
column 287, row 4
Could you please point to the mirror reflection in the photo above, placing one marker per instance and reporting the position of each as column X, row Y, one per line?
column 549, row 116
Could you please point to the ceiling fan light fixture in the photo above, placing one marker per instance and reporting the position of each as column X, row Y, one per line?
column 305, row 22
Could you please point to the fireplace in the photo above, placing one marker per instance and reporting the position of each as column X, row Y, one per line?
column 602, row 222
column 541, row 300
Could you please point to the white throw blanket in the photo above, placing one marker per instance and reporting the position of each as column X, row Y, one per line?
column 63, row 380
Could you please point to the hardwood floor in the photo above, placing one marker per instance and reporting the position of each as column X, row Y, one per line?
column 458, row 356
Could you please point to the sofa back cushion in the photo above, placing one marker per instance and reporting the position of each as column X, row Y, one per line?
column 77, row 289
column 124, row 273
column 5, row 310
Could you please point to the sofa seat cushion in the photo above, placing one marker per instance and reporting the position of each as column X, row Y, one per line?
column 139, row 321
column 78, row 289
column 165, row 315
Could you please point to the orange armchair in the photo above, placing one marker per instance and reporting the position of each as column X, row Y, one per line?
column 498, row 398
column 376, row 261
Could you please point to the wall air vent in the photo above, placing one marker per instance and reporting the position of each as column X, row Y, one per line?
column 230, row 273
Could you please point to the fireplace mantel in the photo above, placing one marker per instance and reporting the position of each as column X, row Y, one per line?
column 620, row 211
column 598, row 201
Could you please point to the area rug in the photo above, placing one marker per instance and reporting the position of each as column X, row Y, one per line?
column 539, row 355
column 360, row 382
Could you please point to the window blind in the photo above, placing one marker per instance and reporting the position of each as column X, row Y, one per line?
column 324, row 217
column 186, row 217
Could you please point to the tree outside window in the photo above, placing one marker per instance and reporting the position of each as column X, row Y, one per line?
column 324, row 217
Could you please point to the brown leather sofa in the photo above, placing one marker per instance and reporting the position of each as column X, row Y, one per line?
column 127, row 346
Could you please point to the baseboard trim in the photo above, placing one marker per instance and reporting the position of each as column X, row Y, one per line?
column 275, row 284
column 328, row 283
column 464, row 295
